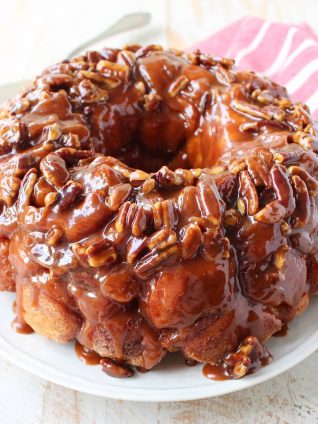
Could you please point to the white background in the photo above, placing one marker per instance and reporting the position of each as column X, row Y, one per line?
column 35, row 33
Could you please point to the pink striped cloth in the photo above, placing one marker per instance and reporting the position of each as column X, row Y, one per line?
column 288, row 54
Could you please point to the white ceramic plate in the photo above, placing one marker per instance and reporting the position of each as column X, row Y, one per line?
column 170, row 381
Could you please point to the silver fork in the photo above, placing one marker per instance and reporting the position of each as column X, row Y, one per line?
column 126, row 23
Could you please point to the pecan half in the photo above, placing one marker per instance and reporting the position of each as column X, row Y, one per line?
column 249, row 193
column 258, row 172
column 161, row 239
column 107, row 81
column 140, row 222
column 118, row 195
column 289, row 154
column 101, row 253
column 249, row 109
column 54, row 169
column 164, row 215
column 9, row 188
column 311, row 182
column 191, row 240
column 301, row 215
column 211, row 204
column 135, row 247
column 26, row 189
column 132, row 218
column 283, row 189
column 150, row 262
column 273, row 212
column 113, row 70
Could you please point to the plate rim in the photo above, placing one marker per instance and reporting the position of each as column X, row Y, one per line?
column 54, row 375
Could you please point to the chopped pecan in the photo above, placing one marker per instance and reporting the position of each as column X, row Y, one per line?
column 148, row 186
column 26, row 189
column 191, row 240
column 118, row 195
column 71, row 140
column 54, row 170
column 73, row 156
column 280, row 257
column 90, row 93
column 283, row 189
column 211, row 204
column 50, row 198
column 249, row 193
column 251, row 353
column 113, row 70
column 186, row 176
column 114, row 369
column 164, row 215
column 69, row 193
column 55, row 80
column 285, row 228
column 54, row 235
column 273, row 212
column 101, row 253
column 127, row 58
column 140, row 86
column 301, row 215
column 224, row 76
column 241, row 206
column 143, row 51
column 152, row 102
column 9, row 188
column 232, row 218
column 263, row 96
column 215, row 245
column 304, row 139
column 107, row 81
column 150, row 262
column 311, row 182
column 137, row 177
column 10, row 134
column 165, row 178
column 237, row 166
column 178, row 85
column 289, row 154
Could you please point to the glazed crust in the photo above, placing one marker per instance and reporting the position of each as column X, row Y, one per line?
column 157, row 201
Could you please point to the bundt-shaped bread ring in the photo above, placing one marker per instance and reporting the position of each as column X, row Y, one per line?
column 156, row 201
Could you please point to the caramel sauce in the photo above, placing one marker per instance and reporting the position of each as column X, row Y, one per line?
column 216, row 372
column 21, row 327
column 89, row 357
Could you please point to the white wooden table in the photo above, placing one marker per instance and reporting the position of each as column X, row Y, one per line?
column 35, row 33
